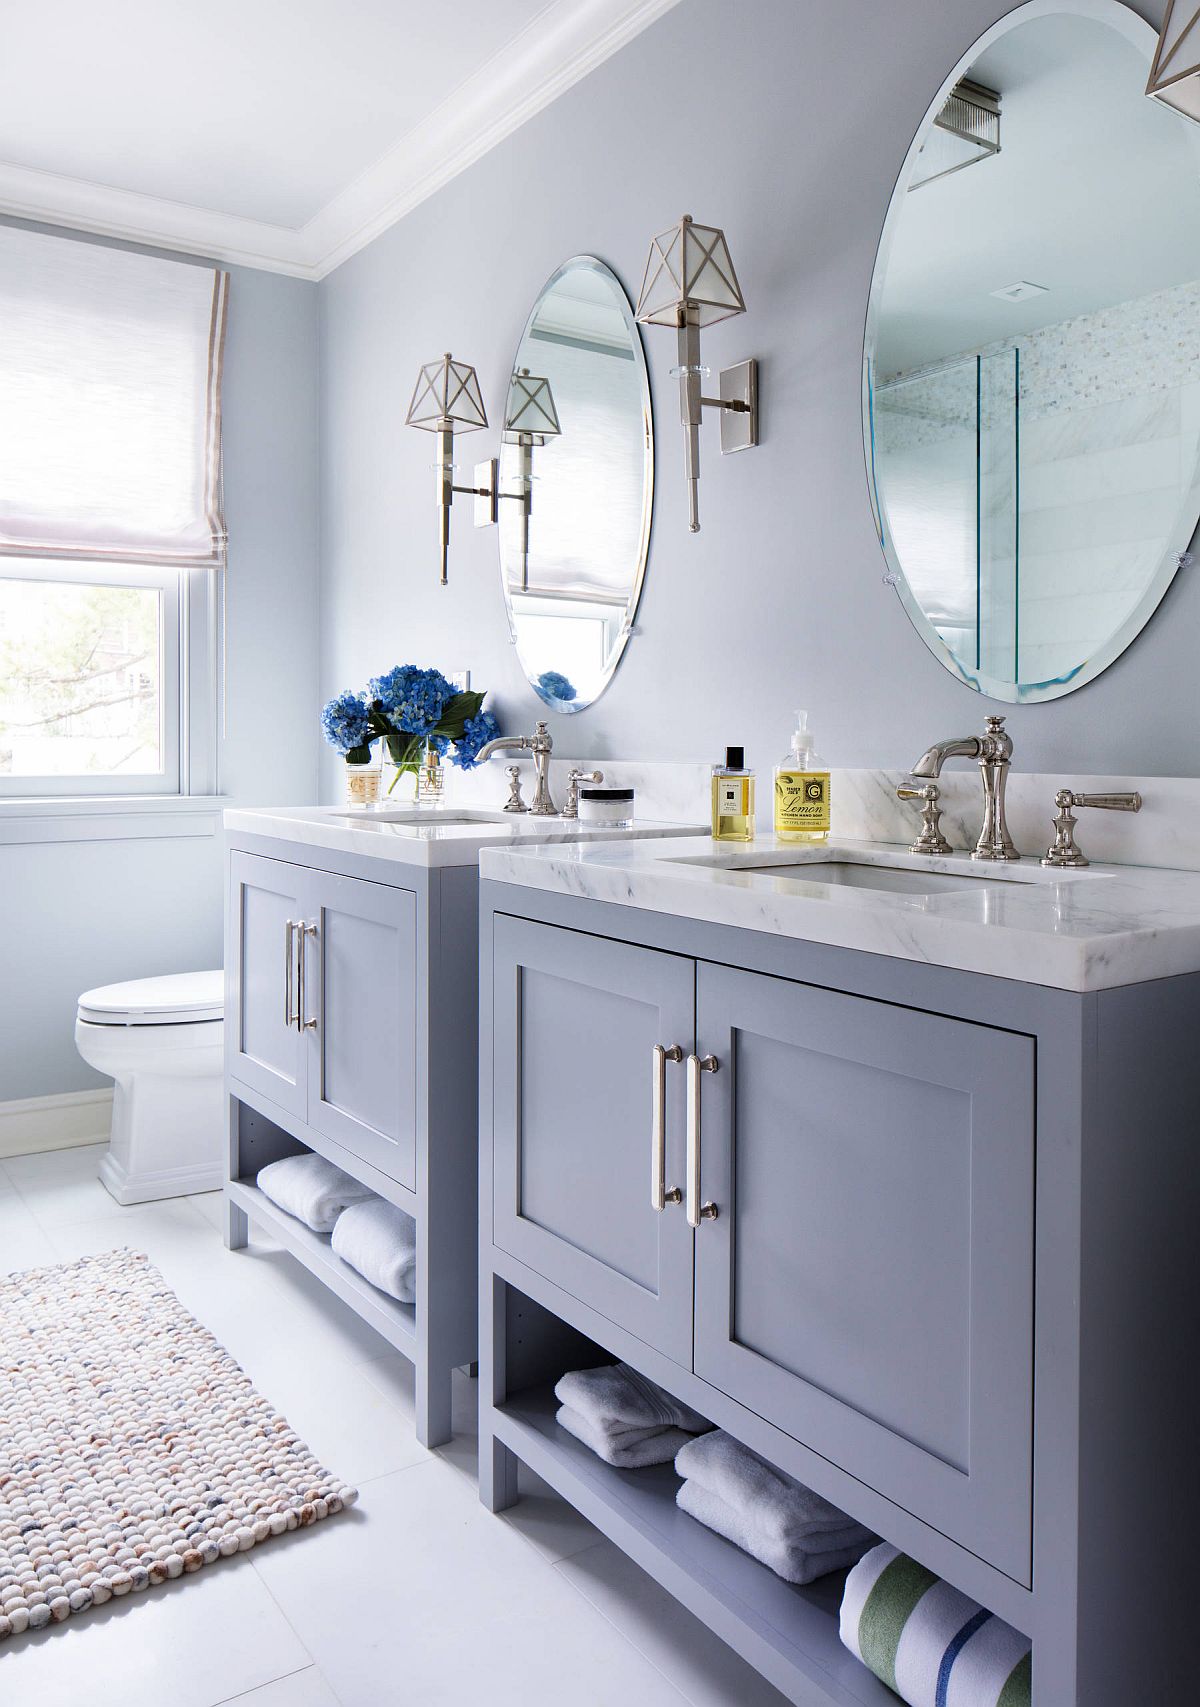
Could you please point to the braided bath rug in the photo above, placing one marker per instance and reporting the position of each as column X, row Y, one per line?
column 132, row 1447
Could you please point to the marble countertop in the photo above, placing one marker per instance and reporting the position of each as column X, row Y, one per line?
column 438, row 838
column 1073, row 930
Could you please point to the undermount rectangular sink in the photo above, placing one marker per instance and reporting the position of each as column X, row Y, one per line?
column 895, row 880
column 437, row 815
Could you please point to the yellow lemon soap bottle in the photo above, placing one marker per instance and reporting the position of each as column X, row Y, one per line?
column 733, row 798
column 802, row 790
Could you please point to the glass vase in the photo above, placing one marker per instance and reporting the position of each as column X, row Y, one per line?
column 431, row 777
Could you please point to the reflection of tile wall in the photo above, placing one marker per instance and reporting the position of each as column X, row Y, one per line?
column 1110, row 426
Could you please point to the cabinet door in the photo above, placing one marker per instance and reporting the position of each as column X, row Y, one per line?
column 263, row 1045
column 867, row 1283
column 359, row 992
column 575, row 1022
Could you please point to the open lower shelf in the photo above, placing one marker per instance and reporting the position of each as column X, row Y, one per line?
column 790, row 1634
column 396, row 1322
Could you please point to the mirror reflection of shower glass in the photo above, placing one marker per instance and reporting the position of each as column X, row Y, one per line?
column 573, row 553
column 1032, row 408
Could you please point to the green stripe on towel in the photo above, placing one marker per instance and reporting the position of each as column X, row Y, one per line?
column 1018, row 1691
column 889, row 1606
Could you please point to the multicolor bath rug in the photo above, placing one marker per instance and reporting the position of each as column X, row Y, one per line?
column 132, row 1447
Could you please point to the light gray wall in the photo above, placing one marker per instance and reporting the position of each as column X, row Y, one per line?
column 77, row 914
column 785, row 121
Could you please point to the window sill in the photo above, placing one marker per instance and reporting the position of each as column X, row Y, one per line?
column 103, row 818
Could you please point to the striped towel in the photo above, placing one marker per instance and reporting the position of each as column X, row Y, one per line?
column 927, row 1641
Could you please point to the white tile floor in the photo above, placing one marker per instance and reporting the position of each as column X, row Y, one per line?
column 417, row 1596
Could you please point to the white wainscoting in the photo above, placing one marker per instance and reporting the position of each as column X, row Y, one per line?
column 54, row 1122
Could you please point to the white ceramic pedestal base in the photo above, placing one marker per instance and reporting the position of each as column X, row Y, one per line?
column 168, row 1124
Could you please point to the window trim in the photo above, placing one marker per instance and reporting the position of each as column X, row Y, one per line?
column 190, row 677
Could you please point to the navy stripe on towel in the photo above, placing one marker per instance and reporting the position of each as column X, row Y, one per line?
column 952, row 1652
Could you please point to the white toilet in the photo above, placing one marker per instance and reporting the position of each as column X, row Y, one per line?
column 162, row 1041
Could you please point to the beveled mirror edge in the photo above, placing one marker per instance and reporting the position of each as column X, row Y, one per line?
column 638, row 581
column 1142, row 36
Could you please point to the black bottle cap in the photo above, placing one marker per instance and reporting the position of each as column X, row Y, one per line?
column 735, row 758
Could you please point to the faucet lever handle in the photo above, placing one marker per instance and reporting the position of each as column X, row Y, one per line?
column 931, row 839
column 514, row 803
column 1064, row 852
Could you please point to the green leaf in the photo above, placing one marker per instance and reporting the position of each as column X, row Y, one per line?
column 458, row 714
column 359, row 755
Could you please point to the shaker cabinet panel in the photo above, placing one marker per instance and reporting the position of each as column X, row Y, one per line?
column 576, row 1021
column 867, row 1282
column 360, row 990
column 265, row 1047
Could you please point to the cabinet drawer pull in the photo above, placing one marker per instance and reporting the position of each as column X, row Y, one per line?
column 289, row 974
column 303, row 1022
column 696, row 1211
column 659, row 1195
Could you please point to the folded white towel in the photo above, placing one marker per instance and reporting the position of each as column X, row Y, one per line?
column 311, row 1189
column 628, row 1449
column 380, row 1242
column 615, row 1397
column 927, row 1641
column 795, row 1561
column 626, row 1419
column 768, row 1502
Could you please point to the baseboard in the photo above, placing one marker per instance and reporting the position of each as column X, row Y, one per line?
column 33, row 1124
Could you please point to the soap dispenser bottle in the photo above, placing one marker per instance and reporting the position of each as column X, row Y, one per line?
column 802, row 790
column 733, row 798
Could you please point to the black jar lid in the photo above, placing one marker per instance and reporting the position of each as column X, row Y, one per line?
column 606, row 794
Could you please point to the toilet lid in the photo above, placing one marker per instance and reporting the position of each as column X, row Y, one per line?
column 181, row 998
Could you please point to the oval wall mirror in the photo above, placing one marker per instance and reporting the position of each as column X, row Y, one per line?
column 576, row 484
column 1032, row 374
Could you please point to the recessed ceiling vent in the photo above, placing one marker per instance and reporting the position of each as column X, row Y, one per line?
column 966, row 130
column 1021, row 291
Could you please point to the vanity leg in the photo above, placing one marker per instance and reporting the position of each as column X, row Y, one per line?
column 497, row 1464
column 497, row 1472
column 434, row 1427
column 236, row 1228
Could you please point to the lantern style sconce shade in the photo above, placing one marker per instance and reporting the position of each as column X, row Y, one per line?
column 446, row 397
column 689, row 282
column 530, row 419
column 1175, row 73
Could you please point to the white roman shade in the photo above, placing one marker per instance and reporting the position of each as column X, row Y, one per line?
column 110, row 403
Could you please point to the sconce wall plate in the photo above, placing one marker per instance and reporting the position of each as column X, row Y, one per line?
column 739, row 427
column 487, row 493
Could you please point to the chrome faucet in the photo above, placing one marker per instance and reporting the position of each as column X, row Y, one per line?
column 541, row 745
column 993, row 749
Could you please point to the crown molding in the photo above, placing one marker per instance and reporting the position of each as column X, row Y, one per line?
column 566, row 41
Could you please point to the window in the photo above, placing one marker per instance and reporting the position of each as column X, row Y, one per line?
column 111, row 534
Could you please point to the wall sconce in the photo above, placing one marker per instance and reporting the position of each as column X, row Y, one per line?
column 689, row 282
column 446, row 396
column 1175, row 73
column 530, row 419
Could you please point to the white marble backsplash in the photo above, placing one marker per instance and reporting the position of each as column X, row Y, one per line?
column 1165, row 833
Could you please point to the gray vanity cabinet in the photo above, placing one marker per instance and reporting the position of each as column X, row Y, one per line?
column 324, row 1005
column 577, row 1021
column 867, row 1282
column 265, row 1049
column 360, row 978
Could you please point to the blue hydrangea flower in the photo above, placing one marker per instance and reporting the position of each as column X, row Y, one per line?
column 412, row 699
column 554, row 686
column 477, row 732
column 345, row 722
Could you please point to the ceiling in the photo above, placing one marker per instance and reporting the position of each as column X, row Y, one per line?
column 1095, row 195
column 283, row 134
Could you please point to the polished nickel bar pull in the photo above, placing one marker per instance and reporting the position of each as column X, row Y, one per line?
column 289, row 963
column 303, row 1023
column 659, row 1195
column 696, row 1211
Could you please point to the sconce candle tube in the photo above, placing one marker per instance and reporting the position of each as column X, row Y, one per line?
column 691, row 410
column 444, row 472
